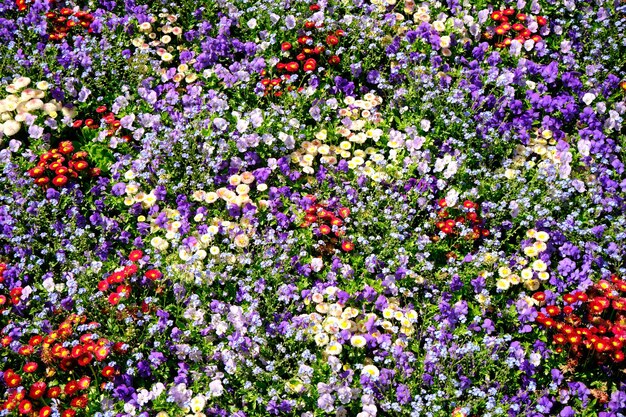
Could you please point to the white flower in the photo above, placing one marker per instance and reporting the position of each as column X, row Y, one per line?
column 370, row 370
column 452, row 197
column 197, row 403
column 241, row 240
column 503, row 284
column 358, row 341
column 588, row 98
column 216, row 388
column 48, row 284
column 317, row 264
column 11, row 127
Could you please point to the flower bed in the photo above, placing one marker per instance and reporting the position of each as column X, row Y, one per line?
column 345, row 208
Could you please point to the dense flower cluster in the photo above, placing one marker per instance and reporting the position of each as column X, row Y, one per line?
column 312, row 208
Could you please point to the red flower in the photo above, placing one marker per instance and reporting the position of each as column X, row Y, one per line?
column 45, row 412
column 84, row 382
column 54, row 392
column 12, row 379
column 25, row 407
column 303, row 40
column 285, row 46
column 101, row 353
column 103, row 285
column 332, row 40
column 79, row 402
column 59, row 180
column 85, row 359
column 508, row 12
column 539, row 296
column 35, row 340
column 71, row 387
column 37, row 390
column 115, row 278
column 130, row 270
column 123, row 290
column 30, row 367
column 553, row 310
column 344, row 212
column 292, row 66
column 114, row 298
column 108, row 372
column 310, row 65
column 541, row 21
column 101, row 109
column 569, row 298
column 347, row 246
column 77, row 351
column 325, row 229
column 68, row 413
column 334, row 60
column 80, row 166
column 153, row 274
column 336, row 221
column 26, row 350
column 135, row 255
column 6, row 340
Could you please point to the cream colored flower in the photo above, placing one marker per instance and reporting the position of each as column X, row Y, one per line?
column 539, row 265
column 370, row 370
column 503, row 284
column 321, row 339
column 358, row 341
column 334, row 348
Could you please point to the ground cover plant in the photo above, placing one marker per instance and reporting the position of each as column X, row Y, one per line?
column 312, row 208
